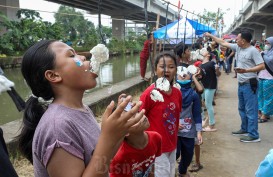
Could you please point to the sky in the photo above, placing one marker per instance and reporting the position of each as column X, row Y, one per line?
column 230, row 7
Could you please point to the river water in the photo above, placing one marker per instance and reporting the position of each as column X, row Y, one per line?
column 115, row 70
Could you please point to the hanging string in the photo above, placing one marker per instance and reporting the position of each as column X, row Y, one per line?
column 177, row 32
column 167, row 9
column 192, row 42
column 100, row 26
column 185, row 30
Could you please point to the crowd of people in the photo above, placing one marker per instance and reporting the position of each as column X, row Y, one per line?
column 146, row 138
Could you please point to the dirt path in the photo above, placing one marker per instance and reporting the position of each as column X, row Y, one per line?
column 222, row 154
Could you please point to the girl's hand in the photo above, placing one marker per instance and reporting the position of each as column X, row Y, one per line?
column 199, row 137
column 117, row 124
column 197, row 72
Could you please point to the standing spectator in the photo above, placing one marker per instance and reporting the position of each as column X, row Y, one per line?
column 265, row 94
column 145, row 55
column 229, row 59
column 164, row 116
column 209, row 81
column 249, row 62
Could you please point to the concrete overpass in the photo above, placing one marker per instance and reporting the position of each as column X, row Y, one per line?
column 257, row 16
column 119, row 10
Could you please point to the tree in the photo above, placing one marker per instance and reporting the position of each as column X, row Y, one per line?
column 20, row 35
column 212, row 18
column 73, row 23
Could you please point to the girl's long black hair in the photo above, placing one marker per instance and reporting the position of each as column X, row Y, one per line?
column 37, row 59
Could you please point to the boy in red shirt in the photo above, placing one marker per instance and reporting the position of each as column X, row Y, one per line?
column 137, row 153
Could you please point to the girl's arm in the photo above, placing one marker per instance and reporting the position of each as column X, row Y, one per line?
column 196, row 112
column 114, row 127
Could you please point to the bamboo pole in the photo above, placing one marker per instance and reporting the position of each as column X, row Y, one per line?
column 155, row 44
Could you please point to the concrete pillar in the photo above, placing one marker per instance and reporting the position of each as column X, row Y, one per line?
column 258, row 34
column 269, row 30
column 118, row 27
column 8, row 11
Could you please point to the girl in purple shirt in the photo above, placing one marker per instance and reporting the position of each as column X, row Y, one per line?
column 64, row 138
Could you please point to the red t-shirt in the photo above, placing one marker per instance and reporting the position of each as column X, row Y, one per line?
column 145, row 51
column 163, row 116
column 132, row 162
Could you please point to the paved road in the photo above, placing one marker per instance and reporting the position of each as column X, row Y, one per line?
column 222, row 154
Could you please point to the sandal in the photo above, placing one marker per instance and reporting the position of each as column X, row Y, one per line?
column 184, row 175
column 262, row 120
column 208, row 129
column 196, row 167
column 145, row 79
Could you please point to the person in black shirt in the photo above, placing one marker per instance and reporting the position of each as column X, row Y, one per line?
column 209, row 82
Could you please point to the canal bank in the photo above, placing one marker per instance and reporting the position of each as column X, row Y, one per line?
column 96, row 100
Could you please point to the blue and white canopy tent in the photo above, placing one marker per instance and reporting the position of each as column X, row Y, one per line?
column 184, row 28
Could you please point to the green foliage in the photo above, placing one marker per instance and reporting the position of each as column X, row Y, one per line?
column 74, row 25
column 116, row 45
column 131, row 43
column 19, row 35
column 211, row 18
column 106, row 32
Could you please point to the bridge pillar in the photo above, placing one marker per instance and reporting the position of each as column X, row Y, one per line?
column 118, row 27
column 258, row 33
column 269, row 30
column 9, row 12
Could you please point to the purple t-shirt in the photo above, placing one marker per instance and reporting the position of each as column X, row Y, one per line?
column 73, row 130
